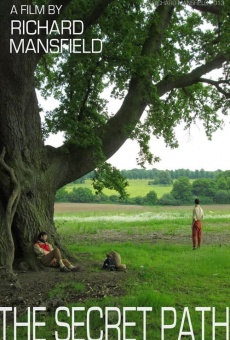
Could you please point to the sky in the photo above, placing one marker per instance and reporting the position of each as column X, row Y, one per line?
column 195, row 151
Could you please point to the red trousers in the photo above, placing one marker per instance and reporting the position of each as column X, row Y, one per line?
column 196, row 233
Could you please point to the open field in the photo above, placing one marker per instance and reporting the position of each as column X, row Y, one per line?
column 121, row 223
column 162, row 272
column 137, row 187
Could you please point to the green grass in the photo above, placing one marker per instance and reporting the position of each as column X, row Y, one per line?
column 62, row 289
column 138, row 187
column 161, row 273
column 167, row 275
column 162, row 276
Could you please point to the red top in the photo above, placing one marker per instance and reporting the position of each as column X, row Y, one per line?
column 43, row 245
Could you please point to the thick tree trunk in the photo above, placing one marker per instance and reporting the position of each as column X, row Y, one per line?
column 26, row 156
column 36, row 167
column 6, row 244
column 20, row 135
column 34, row 212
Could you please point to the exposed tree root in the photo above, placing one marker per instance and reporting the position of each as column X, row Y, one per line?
column 7, row 251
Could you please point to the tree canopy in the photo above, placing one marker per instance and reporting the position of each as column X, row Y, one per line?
column 154, row 58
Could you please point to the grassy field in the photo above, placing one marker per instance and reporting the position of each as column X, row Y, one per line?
column 162, row 272
column 137, row 187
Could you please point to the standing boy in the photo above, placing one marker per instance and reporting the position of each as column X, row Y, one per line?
column 197, row 217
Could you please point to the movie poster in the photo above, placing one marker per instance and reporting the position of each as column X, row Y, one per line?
column 94, row 247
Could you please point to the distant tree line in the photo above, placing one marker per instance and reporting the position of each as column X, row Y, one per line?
column 85, row 195
column 174, row 174
column 208, row 190
column 155, row 174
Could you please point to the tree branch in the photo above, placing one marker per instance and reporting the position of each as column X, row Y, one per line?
column 190, row 78
column 213, row 9
column 217, row 85
column 88, row 20
column 88, row 92
column 135, row 102
column 160, row 22
column 96, row 12
column 63, row 3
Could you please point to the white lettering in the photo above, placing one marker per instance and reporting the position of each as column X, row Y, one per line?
column 163, row 325
column 59, row 8
column 33, row 24
column 203, row 310
column 127, row 324
column 54, row 45
column 61, row 323
column 54, row 27
column 220, row 324
column 93, row 45
column 190, row 332
column 110, row 326
column 37, row 324
column 39, row 11
column 30, row 46
column 32, row 9
column 75, row 46
column 15, row 25
column 98, row 309
column 22, row 324
column 52, row 9
column 14, row 10
column 24, row 8
column 13, row 47
column 32, row 27
column 74, row 323
column 4, row 310
column 144, row 310
column 66, row 27
column 76, row 27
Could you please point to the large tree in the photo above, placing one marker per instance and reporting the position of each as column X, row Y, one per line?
column 156, row 58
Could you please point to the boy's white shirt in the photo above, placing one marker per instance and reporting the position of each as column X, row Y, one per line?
column 198, row 213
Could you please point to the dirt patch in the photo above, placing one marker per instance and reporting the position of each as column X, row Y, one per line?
column 91, row 207
column 88, row 207
column 114, row 236
column 35, row 287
